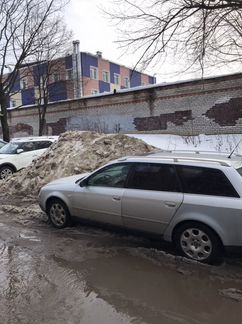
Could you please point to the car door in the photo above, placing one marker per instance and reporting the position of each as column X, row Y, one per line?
column 151, row 198
column 98, row 198
column 24, row 159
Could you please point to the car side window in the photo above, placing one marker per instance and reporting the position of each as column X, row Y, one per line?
column 205, row 181
column 40, row 145
column 151, row 176
column 27, row 146
column 110, row 176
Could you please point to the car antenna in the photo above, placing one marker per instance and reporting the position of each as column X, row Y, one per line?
column 229, row 157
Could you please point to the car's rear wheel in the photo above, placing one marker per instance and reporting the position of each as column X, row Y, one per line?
column 58, row 213
column 5, row 172
column 198, row 242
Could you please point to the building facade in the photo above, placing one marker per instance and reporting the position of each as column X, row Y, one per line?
column 77, row 75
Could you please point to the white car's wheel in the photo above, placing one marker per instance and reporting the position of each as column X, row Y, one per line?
column 198, row 242
column 5, row 172
column 58, row 213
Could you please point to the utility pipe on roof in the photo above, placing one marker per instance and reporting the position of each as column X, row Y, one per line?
column 77, row 72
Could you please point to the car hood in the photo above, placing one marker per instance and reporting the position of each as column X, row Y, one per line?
column 4, row 156
column 66, row 180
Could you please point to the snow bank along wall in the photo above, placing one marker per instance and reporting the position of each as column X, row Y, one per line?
column 209, row 106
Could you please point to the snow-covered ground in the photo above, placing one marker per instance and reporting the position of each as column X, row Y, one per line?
column 218, row 143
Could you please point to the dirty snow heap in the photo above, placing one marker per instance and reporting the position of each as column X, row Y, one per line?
column 74, row 153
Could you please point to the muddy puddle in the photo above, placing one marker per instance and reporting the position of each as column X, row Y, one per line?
column 89, row 275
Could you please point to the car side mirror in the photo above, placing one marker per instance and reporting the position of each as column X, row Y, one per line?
column 19, row 151
column 83, row 183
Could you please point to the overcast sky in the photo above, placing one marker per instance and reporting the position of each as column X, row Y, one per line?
column 96, row 33
column 92, row 29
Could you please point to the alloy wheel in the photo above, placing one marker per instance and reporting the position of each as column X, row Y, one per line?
column 5, row 173
column 196, row 244
column 57, row 214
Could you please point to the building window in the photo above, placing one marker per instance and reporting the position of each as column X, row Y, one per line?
column 106, row 76
column 94, row 91
column 69, row 74
column 56, row 77
column 116, row 78
column 93, row 72
column 13, row 103
column 24, row 83
column 126, row 82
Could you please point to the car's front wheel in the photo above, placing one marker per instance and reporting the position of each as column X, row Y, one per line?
column 5, row 172
column 58, row 213
column 198, row 242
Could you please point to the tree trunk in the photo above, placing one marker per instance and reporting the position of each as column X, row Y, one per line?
column 42, row 121
column 41, row 125
column 4, row 118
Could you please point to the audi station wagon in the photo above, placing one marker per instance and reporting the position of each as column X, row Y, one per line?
column 192, row 200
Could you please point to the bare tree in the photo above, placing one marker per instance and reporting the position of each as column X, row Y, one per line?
column 200, row 32
column 49, row 65
column 21, row 24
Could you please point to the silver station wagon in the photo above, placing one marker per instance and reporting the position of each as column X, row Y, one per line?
column 193, row 200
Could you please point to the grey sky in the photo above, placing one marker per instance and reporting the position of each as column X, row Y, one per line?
column 96, row 33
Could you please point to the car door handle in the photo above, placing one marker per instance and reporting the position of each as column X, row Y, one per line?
column 116, row 198
column 170, row 204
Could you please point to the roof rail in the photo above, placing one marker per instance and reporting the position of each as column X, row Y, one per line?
column 223, row 163
column 177, row 159
column 198, row 151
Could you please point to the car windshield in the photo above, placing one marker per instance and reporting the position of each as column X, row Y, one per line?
column 2, row 143
column 240, row 171
column 10, row 148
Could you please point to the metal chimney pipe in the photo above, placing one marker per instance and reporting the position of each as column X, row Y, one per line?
column 76, row 62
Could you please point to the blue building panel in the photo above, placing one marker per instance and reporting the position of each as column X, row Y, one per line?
column 8, row 101
column 152, row 80
column 16, row 85
column 114, row 68
column 57, row 91
column 28, row 96
column 104, row 86
column 88, row 60
column 135, row 79
column 68, row 62
column 38, row 71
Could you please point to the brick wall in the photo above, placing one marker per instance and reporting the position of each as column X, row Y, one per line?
column 209, row 106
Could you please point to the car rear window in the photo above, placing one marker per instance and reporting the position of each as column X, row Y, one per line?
column 39, row 145
column 151, row 176
column 205, row 181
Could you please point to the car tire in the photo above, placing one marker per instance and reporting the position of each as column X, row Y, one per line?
column 58, row 213
column 198, row 242
column 6, row 171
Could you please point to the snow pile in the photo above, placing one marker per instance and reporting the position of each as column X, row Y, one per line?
column 74, row 153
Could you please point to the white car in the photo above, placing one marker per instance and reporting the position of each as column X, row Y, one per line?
column 20, row 152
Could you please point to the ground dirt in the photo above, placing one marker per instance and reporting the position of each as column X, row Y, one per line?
column 88, row 275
